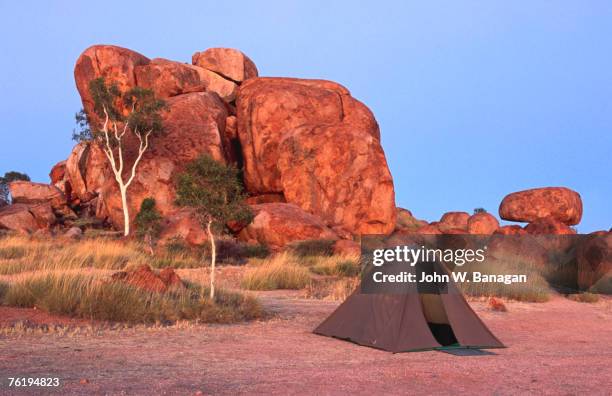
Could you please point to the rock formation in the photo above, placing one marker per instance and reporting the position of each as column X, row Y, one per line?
column 303, row 142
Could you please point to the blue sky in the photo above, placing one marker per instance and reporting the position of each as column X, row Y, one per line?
column 475, row 99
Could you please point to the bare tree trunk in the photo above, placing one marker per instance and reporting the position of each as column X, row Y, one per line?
column 213, row 258
column 126, row 213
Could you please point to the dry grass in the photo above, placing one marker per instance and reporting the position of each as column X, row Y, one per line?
column 584, row 297
column 71, row 278
column 21, row 254
column 279, row 272
column 332, row 288
column 536, row 289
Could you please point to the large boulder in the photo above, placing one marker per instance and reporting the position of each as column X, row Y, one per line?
column 312, row 141
column 33, row 193
column 560, row 203
column 277, row 224
column 110, row 62
column 17, row 217
column 227, row 62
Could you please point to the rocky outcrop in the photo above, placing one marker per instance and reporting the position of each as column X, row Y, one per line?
column 278, row 224
column 227, row 62
column 346, row 181
column 270, row 127
column 559, row 203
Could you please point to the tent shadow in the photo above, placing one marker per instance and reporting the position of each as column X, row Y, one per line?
column 466, row 352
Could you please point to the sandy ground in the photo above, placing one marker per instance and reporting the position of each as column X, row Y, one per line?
column 559, row 347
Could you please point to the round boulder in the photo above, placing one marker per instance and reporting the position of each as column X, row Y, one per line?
column 482, row 224
column 560, row 203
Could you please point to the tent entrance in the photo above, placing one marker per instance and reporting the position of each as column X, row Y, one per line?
column 437, row 320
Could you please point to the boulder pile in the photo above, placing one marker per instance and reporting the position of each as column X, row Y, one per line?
column 310, row 153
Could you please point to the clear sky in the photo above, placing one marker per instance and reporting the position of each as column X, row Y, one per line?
column 475, row 99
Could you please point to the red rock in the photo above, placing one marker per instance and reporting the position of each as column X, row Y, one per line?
column 510, row 230
column 277, row 224
column 58, row 172
column 405, row 220
column 281, row 124
column 548, row 226
column 457, row 220
column 594, row 258
column 183, row 224
column 17, row 217
column 482, row 224
column 43, row 214
column 347, row 247
column 497, row 305
column 213, row 82
column 32, row 193
column 113, row 63
column 453, row 231
column 171, row 279
column 142, row 278
column 168, row 78
column 228, row 62
column 430, row 229
column 560, row 203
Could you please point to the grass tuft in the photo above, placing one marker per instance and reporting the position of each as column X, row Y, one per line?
column 279, row 272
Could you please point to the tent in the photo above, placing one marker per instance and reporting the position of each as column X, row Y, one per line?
column 410, row 321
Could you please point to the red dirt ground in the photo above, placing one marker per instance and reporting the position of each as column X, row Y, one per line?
column 558, row 347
